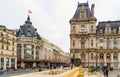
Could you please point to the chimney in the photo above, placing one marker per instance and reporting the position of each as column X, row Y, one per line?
column 92, row 9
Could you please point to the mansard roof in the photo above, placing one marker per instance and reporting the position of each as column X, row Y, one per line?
column 113, row 24
column 28, row 30
column 88, row 11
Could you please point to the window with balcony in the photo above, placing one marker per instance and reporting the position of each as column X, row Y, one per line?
column 82, row 44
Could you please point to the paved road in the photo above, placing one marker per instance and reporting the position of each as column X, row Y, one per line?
column 8, row 74
column 113, row 73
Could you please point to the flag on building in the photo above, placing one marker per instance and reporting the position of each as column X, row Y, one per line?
column 29, row 12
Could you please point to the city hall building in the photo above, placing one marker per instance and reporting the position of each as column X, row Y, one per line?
column 95, row 45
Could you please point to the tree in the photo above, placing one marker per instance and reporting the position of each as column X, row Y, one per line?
column 77, row 61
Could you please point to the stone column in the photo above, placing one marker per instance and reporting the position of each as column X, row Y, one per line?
column 22, row 52
column 118, row 60
column 86, row 59
column 111, row 60
column 105, row 63
column 15, row 63
column 4, row 64
column 34, row 52
column 9, row 62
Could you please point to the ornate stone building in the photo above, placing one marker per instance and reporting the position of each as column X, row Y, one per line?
column 36, row 51
column 8, row 48
column 28, row 45
column 94, row 45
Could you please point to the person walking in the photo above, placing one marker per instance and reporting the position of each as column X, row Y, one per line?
column 107, row 72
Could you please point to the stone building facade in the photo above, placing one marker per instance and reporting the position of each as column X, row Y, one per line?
column 35, row 51
column 94, row 45
column 8, row 48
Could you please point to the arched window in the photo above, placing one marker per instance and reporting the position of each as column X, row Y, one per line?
column 108, row 55
column 101, row 55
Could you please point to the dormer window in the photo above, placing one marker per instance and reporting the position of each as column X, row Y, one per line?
column 114, row 30
column 101, row 31
column 29, row 34
column 107, row 30
column 82, row 15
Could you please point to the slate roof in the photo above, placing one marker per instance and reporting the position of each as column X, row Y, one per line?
column 88, row 11
column 113, row 24
column 28, row 28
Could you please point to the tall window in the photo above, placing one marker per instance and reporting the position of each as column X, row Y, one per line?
column 92, row 57
column 82, row 44
column 115, row 43
column 108, row 43
column 73, row 43
column 115, row 55
column 114, row 30
column 82, row 55
column 107, row 30
column 91, row 42
column 92, row 28
column 108, row 55
column 29, row 51
column 73, row 29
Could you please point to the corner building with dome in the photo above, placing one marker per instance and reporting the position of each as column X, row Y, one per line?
column 96, row 45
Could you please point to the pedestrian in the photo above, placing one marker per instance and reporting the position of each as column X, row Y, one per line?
column 107, row 72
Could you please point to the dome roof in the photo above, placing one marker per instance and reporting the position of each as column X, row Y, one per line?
column 27, row 29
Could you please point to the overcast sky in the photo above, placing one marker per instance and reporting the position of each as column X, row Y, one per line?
column 51, row 17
